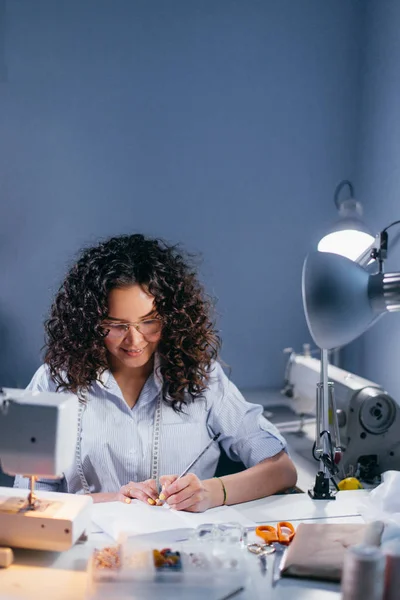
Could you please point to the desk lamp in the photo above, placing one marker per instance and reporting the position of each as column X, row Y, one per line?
column 341, row 301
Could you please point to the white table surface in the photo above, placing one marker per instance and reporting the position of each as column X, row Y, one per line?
column 62, row 576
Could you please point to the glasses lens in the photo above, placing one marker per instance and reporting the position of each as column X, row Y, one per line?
column 114, row 331
column 150, row 327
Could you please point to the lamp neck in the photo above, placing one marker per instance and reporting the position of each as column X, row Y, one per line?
column 391, row 291
column 351, row 209
column 384, row 291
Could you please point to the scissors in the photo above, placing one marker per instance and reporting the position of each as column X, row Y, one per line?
column 274, row 538
column 278, row 536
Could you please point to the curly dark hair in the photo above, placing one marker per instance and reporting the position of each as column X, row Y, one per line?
column 75, row 350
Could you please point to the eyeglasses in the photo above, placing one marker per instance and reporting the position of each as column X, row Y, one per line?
column 148, row 328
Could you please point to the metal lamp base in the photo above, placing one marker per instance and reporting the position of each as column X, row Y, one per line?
column 321, row 489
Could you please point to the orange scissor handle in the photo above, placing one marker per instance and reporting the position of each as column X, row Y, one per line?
column 267, row 533
column 279, row 534
column 285, row 537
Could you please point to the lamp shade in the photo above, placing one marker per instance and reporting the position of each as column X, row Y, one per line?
column 342, row 300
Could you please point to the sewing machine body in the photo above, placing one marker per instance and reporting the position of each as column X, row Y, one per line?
column 368, row 418
column 38, row 439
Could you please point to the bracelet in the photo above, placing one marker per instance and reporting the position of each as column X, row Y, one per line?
column 223, row 489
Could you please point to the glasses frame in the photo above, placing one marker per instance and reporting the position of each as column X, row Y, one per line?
column 128, row 325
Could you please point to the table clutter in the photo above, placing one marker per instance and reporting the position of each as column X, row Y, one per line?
column 209, row 562
column 219, row 557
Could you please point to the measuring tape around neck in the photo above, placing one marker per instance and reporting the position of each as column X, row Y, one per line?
column 155, row 457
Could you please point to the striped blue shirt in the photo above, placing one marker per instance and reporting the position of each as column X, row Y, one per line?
column 117, row 441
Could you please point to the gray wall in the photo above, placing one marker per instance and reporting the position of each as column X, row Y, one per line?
column 378, row 171
column 224, row 125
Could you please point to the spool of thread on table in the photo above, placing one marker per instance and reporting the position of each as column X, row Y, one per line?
column 363, row 573
column 6, row 557
column 373, row 533
column 392, row 574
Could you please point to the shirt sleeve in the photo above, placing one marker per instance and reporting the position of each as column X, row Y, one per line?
column 246, row 435
column 42, row 382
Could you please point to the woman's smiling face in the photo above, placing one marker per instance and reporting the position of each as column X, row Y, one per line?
column 134, row 329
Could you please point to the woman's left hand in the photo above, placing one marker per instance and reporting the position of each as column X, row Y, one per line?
column 145, row 491
column 190, row 493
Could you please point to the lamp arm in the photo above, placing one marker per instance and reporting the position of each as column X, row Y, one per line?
column 378, row 250
column 369, row 253
column 324, row 450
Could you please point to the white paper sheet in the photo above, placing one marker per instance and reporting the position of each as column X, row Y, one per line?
column 115, row 518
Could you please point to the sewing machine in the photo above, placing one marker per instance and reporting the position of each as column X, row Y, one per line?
column 38, row 439
column 368, row 418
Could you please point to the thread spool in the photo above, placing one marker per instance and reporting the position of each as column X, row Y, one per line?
column 6, row 557
column 363, row 573
column 373, row 533
column 392, row 573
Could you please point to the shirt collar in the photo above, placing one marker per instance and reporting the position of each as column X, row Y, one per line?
column 104, row 377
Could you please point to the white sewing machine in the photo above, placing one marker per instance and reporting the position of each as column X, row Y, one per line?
column 38, row 440
column 368, row 418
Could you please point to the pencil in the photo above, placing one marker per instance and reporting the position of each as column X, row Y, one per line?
column 194, row 461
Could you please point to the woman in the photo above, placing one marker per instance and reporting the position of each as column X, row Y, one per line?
column 130, row 333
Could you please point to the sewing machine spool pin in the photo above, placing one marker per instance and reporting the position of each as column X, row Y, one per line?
column 32, row 498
